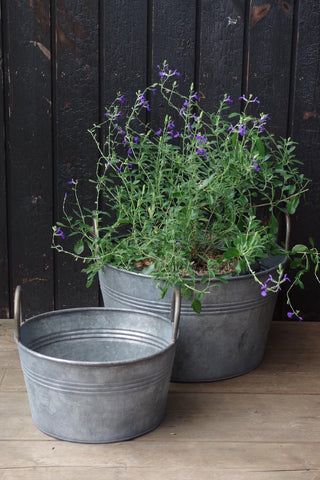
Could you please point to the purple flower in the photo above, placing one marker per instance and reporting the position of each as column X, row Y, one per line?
column 143, row 101
column 265, row 117
column 255, row 164
column 119, row 169
column 164, row 72
column 230, row 128
column 175, row 72
column 136, row 140
column 153, row 90
column 72, row 182
column 201, row 139
column 66, row 195
column 174, row 135
column 60, row 233
column 195, row 96
column 201, row 151
column 158, row 132
column 186, row 103
column 118, row 114
column 291, row 314
column 171, row 125
column 122, row 99
column 129, row 152
column 263, row 289
column 242, row 130
column 255, row 100
column 228, row 99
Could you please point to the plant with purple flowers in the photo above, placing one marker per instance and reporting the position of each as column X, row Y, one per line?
column 193, row 191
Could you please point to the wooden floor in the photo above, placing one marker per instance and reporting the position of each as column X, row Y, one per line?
column 262, row 426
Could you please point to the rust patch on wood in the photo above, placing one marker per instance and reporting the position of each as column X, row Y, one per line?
column 66, row 34
column 286, row 6
column 258, row 13
column 308, row 115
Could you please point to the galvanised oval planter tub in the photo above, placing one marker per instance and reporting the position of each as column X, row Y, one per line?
column 226, row 339
column 97, row 375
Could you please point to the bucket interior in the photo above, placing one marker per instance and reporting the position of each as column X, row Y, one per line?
column 97, row 335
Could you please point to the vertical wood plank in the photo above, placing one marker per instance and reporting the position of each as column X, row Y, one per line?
column 173, row 37
column 124, row 28
column 76, row 95
column 305, row 129
column 267, row 62
column 28, row 98
column 267, row 70
column 221, row 36
column 4, row 273
column 173, row 40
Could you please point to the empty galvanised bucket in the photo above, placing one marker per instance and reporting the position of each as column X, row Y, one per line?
column 227, row 339
column 97, row 375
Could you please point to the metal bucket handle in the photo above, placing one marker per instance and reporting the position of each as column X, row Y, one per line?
column 175, row 313
column 17, row 311
column 288, row 231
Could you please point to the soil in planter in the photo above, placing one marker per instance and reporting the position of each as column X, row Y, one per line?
column 200, row 265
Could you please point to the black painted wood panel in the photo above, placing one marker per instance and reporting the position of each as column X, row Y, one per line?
column 304, row 127
column 76, row 98
column 28, row 149
column 267, row 61
column 71, row 58
column 4, row 272
column 221, row 32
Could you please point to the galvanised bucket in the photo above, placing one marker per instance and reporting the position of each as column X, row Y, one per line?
column 97, row 375
column 226, row 339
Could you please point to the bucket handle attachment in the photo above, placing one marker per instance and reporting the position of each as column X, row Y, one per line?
column 175, row 313
column 17, row 311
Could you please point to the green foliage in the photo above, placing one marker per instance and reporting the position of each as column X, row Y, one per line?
column 180, row 192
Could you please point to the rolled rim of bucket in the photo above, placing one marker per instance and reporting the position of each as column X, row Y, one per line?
column 99, row 310
column 264, row 270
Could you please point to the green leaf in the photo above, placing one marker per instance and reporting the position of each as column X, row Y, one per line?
column 196, row 305
column 260, row 147
column 299, row 248
column 147, row 270
column 292, row 205
column 78, row 247
column 234, row 139
column 234, row 114
column 232, row 252
column 273, row 225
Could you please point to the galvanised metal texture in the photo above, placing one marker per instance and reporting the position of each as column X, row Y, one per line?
column 226, row 339
column 97, row 375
